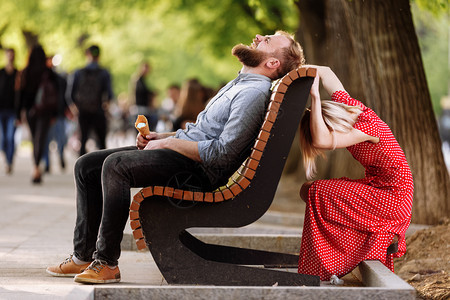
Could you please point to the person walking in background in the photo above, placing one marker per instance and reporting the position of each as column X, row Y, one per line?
column 144, row 98
column 38, row 96
column 166, row 113
column 8, row 108
column 192, row 102
column 90, row 90
column 57, row 131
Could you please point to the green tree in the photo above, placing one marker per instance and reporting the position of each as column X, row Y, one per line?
column 181, row 39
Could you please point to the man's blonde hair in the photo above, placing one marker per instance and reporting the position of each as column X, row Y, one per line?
column 290, row 57
column 337, row 117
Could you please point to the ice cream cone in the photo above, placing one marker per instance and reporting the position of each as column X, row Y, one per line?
column 142, row 125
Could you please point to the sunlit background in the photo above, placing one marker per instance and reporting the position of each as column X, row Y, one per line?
column 180, row 38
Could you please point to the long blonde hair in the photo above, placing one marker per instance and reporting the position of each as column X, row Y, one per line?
column 337, row 117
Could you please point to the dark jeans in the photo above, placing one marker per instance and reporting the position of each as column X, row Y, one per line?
column 39, row 126
column 96, row 122
column 103, row 180
column 7, row 130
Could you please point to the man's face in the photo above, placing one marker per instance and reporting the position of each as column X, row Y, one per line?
column 269, row 43
column 262, row 48
column 10, row 56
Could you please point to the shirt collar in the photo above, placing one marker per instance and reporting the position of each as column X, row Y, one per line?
column 252, row 76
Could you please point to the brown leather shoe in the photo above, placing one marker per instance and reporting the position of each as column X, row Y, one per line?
column 98, row 272
column 67, row 268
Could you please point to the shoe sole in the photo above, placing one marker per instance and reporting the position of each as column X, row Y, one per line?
column 90, row 280
column 61, row 274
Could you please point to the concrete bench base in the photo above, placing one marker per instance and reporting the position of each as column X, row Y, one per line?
column 377, row 282
column 380, row 283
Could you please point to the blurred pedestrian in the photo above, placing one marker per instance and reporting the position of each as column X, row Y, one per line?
column 8, row 108
column 57, row 131
column 90, row 90
column 166, row 114
column 38, row 97
column 144, row 97
column 192, row 102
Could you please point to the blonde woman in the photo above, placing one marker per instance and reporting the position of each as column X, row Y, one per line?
column 346, row 220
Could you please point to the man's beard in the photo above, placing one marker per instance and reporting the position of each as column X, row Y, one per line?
column 248, row 56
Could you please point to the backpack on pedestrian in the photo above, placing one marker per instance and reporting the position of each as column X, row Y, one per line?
column 47, row 96
column 89, row 90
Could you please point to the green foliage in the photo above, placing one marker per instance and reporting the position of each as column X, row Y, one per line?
column 433, row 34
column 436, row 7
column 180, row 38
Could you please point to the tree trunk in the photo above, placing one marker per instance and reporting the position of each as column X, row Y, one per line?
column 373, row 48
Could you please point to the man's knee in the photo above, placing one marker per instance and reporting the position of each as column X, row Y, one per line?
column 80, row 165
column 85, row 164
column 119, row 162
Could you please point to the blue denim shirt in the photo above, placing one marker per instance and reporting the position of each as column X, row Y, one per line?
column 226, row 129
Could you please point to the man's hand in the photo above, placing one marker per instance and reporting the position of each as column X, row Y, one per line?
column 156, row 144
column 142, row 141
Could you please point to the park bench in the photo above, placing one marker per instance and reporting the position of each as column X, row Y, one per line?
column 160, row 215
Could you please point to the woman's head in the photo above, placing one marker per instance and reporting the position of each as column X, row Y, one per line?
column 37, row 58
column 37, row 64
column 337, row 117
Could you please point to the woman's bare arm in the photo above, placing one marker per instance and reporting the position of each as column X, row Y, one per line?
column 322, row 137
column 330, row 81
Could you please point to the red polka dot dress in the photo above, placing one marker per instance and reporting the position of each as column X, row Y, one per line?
column 348, row 221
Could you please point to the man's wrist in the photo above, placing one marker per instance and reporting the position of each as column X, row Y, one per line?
column 164, row 135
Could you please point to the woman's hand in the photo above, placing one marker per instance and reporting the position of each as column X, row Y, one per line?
column 330, row 81
column 315, row 88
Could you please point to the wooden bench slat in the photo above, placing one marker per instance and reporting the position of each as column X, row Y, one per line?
column 263, row 136
column 147, row 192
column 218, row 197
column 138, row 234
column 134, row 214
column 158, row 190
column 259, row 145
column 311, row 72
column 188, row 195
column 198, row 196
column 274, row 106
column 134, row 224
column 267, row 126
column 141, row 244
column 208, row 197
column 256, row 155
column 301, row 72
column 134, row 205
column 168, row 191
column 293, row 75
column 277, row 97
column 271, row 116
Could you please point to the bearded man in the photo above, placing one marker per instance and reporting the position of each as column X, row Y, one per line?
column 210, row 149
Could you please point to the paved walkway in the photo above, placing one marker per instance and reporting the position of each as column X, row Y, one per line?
column 36, row 228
